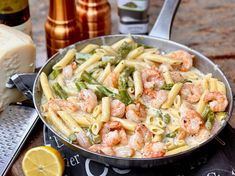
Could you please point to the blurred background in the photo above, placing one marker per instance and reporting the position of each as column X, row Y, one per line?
column 207, row 26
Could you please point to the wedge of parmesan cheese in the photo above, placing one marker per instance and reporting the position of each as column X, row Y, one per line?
column 17, row 55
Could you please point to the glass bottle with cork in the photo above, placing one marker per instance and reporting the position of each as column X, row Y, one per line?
column 15, row 13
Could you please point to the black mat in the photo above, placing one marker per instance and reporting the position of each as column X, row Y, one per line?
column 215, row 159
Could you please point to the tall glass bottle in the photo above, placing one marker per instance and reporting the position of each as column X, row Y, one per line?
column 94, row 17
column 15, row 13
column 61, row 26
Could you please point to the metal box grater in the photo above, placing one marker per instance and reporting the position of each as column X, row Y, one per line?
column 16, row 122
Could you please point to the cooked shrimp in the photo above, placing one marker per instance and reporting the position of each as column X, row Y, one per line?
column 140, row 137
column 111, row 138
column 111, row 80
column 217, row 101
column 185, row 57
column 152, row 77
column 101, row 148
column 117, row 108
column 155, row 98
column 136, row 141
column 74, row 65
column 124, row 151
column 88, row 100
column 161, row 97
column 82, row 139
column 176, row 76
column 149, row 94
column 58, row 104
column 113, row 133
column 165, row 67
column 191, row 92
column 136, row 112
column 144, row 131
column 181, row 134
column 191, row 121
column 153, row 150
column 68, row 70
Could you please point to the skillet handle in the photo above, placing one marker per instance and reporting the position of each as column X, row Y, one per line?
column 23, row 82
column 162, row 26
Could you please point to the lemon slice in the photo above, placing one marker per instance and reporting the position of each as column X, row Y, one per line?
column 43, row 161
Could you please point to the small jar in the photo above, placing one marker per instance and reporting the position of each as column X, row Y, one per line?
column 133, row 16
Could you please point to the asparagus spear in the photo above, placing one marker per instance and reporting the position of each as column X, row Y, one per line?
column 80, row 85
column 54, row 74
column 59, row 91
column 100, row 88
column 210, row 120
column 171, row 135
column 122, row 96
column 123, row 85
column 166, row 86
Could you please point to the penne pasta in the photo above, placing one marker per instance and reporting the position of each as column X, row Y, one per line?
column 97, row 111
column 162, row 59
column 89, row 48
column 157, row 138
column 118, row 69
column 97, row 73
column 170, row 145
column 160, row 123
column 46, row 87
column 135, row 53
column 93, row 59
column 96, row 127
column 181, row 143
column 155, row 130
column 127, row 124
column 93, row 67
column 174, row 112
column 105, row 73
column 221, row 87
column 109, row 50
column 213, row 84
column 177, row 150
column 138, row 84
column 202, row 104
column 177, row 102
column 81, row 121
column 191, row 75
column 118, row 44
column 69, row 121
column 205, row 84
column 65, row 60
column 146, row 52
column 106, row 109
column 172, row 95
column 137, row 64
column 151, row 120
column 58, row 123
column 167, row 77
column 122, row 95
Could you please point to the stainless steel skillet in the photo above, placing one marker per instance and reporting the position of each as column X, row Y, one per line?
column 159, row 37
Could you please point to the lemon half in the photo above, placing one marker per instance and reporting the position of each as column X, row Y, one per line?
column 43, row 161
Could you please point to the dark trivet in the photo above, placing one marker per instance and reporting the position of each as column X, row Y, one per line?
column 215, row 159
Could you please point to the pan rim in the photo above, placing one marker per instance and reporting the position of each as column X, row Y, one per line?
column 230, row 93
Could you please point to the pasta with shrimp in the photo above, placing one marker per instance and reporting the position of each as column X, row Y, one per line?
column 126, row 96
